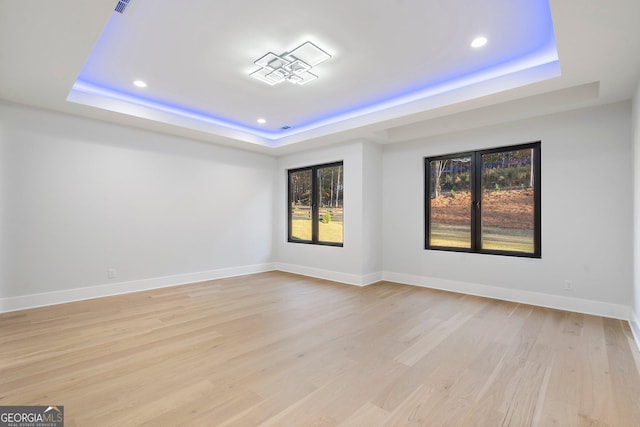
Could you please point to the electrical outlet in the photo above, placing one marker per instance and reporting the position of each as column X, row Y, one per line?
column 112, row 273
column 568, row 285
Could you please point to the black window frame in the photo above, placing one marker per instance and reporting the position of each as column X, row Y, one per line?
column 476, row 201
column 315, row 208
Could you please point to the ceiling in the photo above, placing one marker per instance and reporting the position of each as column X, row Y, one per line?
column 399, row 69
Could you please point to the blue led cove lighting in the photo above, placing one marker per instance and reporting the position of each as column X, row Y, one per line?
column 103, row 95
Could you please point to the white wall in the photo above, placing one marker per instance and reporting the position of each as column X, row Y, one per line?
column 372, row 243
column 3, row 204
column 586, row 215
column 80, row 196
column 85, row 196
column 359, row 260
column 635, row 320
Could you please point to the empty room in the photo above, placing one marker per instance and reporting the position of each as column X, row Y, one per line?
column 334, row 213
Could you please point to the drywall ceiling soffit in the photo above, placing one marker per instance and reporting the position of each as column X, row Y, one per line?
column 198, row 75
column 464, row 116
column 502, row 112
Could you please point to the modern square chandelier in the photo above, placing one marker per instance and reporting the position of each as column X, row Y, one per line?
column 294, row 66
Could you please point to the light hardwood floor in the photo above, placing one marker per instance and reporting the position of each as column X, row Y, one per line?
column 277, row 349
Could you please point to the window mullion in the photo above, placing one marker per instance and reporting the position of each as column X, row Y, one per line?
column 289, row 204
column 476, row 205
column 537, row 188
column 315, row 189
column 427, row 204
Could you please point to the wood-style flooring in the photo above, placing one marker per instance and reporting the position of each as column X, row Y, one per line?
column 276, row 349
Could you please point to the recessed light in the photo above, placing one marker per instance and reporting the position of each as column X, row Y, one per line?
column 140, row 83
column 479, row 42
column 262, row 121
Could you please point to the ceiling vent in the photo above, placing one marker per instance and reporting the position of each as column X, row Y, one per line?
column 122, row 5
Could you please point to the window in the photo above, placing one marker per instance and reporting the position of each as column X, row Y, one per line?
column 485, row 201
column 316, row 208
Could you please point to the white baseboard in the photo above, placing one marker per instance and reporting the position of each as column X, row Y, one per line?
column 370, row 279
column 78, row 294
column 334, row 276
column 578, row 305
column 634, row 323
column 616, row 311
